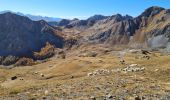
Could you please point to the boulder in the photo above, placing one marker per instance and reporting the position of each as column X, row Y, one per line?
column 14, row 78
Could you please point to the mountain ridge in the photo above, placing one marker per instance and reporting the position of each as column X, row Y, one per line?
column 34, row 17
column 20, row 36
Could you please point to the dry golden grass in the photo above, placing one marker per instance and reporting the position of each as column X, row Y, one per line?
column 59, row 71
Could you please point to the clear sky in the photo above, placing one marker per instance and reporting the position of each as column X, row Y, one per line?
column 80, row 8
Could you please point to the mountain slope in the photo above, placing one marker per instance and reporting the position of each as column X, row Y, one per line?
column 21, row 36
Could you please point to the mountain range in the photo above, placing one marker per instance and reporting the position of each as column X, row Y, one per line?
column 151, row 29
column 34, row 17
column 21, row 36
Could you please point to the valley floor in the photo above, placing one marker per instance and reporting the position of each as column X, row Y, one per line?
column 83, row 77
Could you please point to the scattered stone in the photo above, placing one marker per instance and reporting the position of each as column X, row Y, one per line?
column 27, row 92
column 44, row 98
column 90, row 74
column 133, row 65
column 137, row 98
column 35, row 72
column 34, row 94
column 46, row 92
column 133, row 69
column 147, row 57
column 122, row 62
column 116, row 70
column 145, row 52
column 143, row 98
column 72, row 77
column 42, row 75
column 134, row 51
column 110, row 96
column 99, row 72
column 92, row 98
column 21, row 79
column 14, row 78
column 156, row 70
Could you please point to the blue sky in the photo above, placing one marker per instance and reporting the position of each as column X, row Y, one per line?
column 80, row 8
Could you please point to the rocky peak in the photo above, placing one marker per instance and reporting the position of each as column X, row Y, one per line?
column 75, row 19
column 128, row 17
column 152, row 11
column 63, row 22
column 96, row 17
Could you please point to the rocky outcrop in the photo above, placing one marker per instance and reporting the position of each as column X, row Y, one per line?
column 9, row 60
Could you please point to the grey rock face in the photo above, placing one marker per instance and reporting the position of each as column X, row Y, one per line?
column 158, row 41
column 119, row 32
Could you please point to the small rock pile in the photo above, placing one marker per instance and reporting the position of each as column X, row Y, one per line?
column 133, row 69
column 99, row 72
column 130, row 68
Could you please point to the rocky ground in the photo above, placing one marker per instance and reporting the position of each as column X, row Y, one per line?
column 112, row 75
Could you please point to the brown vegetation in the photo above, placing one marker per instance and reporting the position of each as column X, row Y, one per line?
column 46, row 52
column 25, row 62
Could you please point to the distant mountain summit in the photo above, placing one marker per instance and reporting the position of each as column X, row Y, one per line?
column 80, row 24
column 35, row 17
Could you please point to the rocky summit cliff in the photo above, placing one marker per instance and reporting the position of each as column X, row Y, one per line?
column 20, row 36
